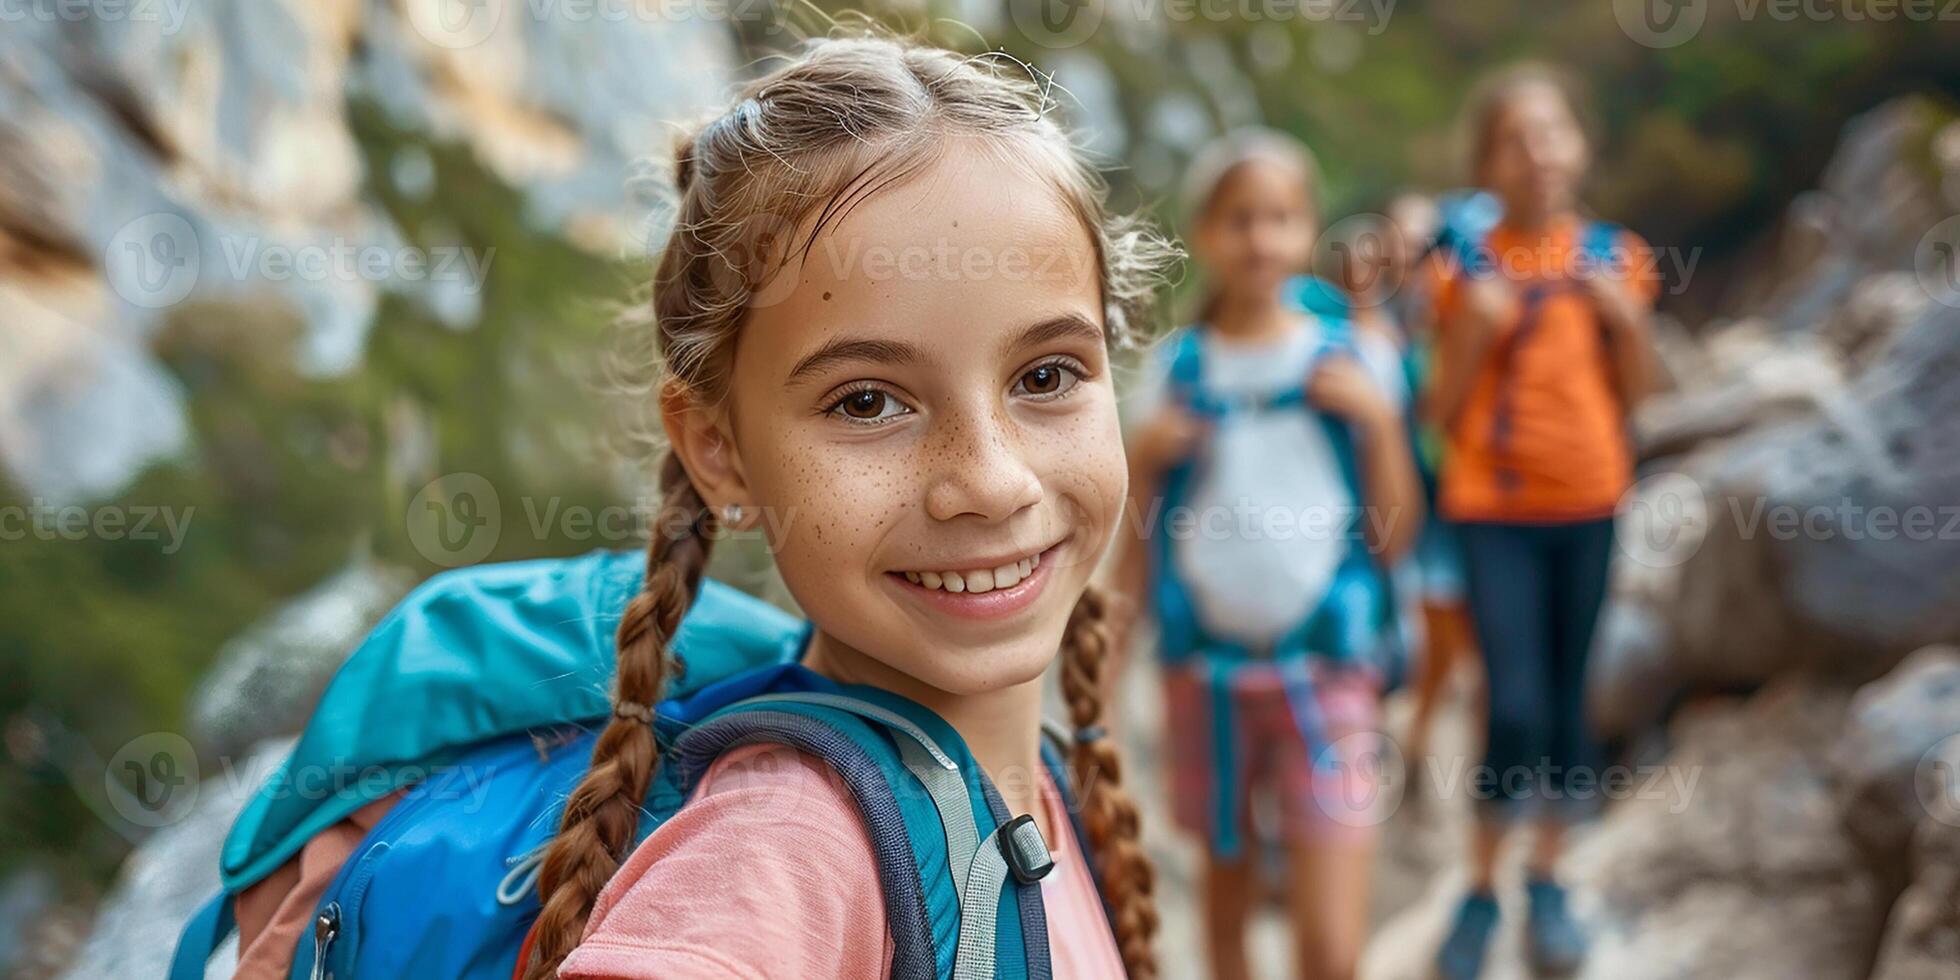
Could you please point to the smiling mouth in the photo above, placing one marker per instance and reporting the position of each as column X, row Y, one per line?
column 978, row 581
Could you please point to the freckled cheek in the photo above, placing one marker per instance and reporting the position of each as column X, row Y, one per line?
column 832, row 504
column 1084, row 464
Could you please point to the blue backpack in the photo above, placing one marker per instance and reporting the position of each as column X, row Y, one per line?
column 1347, row 626
column 481, row 694
column 1355, row 623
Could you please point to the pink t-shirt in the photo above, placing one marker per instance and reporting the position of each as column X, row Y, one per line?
column 769, row 873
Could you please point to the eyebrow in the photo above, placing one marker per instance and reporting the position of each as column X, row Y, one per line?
column 844, row 349
column 847, row 349
column 1064, row 327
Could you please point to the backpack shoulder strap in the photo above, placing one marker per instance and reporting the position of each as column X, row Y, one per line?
column 1600, row 243
column 1467, row 219
column 1185, row 373
column 947, row 852
column 1319, row 297
column 1599, row 240
column 201, row 937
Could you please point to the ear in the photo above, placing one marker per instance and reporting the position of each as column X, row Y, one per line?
column 700, row 436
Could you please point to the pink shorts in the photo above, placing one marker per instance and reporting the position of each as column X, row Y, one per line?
column 1337, row 800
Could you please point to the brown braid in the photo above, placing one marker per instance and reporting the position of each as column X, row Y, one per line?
column 1108, row 814
column 602, row 814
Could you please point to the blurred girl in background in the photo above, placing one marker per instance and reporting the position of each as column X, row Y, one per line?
column 1543, row 351
column 1268, row 456
column 1389, row 273
column 1436, row 579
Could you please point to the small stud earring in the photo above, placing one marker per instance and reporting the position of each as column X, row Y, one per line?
column 731, row 514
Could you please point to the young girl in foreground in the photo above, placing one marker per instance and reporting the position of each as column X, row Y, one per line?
column 1544, row 351
column 1268, row 685
column 932, row 454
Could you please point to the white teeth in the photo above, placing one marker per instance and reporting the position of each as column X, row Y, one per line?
column 979, row 579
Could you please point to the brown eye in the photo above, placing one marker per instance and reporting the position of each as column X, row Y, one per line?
column 864, row 404
column 1047, row 380
column 868, row 405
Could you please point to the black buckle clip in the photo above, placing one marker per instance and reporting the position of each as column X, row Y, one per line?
column 1027, row 854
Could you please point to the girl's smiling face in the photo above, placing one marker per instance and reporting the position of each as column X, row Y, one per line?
column 928, row 408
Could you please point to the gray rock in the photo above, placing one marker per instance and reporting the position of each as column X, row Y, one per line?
column 1684, row 879
column 167, row 878
column 1875, row 202
column 157, row 168
column 266, row 680
column 1899, row 765
column 1896, row 723
column 1826, row 542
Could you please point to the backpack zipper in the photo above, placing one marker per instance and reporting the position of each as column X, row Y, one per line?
column 325, row 927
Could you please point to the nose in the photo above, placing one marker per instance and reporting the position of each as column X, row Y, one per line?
column 1540, row 149
column 979, row 468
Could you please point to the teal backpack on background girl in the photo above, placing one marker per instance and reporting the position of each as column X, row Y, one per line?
column 1354, row 624
column 480, row 696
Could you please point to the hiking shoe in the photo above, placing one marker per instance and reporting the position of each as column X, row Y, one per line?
column 1553, row 940
column 1462, row 955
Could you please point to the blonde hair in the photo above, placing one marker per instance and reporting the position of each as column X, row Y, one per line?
column 798, row 148
column 1495, row 92
column 1219, row 161
column 1214, row 165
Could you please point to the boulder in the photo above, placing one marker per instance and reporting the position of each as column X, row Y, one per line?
column 1829, row 541
column 267, row 679
column 1734, row 862
column 166, row 879
column 168, row 167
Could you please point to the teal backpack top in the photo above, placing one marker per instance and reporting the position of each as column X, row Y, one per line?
column 479, row 698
